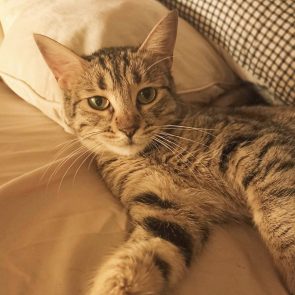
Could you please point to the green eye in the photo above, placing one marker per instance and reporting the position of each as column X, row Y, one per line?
column 98, row 103
column 146, row 95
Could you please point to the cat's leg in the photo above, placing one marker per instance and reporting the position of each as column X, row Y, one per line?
column 163, row 242
column 267, row 175
column 143, row 265
column 274, row 215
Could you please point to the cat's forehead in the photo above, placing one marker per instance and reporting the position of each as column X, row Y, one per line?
column 114, row 68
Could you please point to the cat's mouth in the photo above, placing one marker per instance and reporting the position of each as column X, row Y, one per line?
column 128, row 149
column 133, row 146
column 120, row 146
column 123, row 146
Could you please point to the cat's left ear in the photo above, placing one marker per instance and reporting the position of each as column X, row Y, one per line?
column 63, row 62
column 161, row 40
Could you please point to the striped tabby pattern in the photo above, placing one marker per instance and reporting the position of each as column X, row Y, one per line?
column 177, row 169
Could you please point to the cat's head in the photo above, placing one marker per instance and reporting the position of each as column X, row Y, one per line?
column 118, row 99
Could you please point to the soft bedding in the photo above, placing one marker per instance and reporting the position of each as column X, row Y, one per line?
column 58, row 222
column 56, row 231
column 255, row 37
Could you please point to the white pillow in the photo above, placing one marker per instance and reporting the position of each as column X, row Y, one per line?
column 85, row 26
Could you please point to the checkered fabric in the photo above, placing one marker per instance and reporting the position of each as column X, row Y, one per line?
column 258, row 34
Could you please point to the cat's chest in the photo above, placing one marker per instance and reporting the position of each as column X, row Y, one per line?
column 186, row 167
column 157, row 170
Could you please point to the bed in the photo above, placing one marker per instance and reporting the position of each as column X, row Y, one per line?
column 58, row 222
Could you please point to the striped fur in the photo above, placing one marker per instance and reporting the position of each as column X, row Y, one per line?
column 246, row 170
column 185, row 170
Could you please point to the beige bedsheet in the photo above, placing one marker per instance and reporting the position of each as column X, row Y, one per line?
column 55, row 234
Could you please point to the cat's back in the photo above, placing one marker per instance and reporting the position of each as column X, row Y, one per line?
column 216, row 140
column 214, row 122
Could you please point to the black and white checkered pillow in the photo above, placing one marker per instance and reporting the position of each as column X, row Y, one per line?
column 258, row 34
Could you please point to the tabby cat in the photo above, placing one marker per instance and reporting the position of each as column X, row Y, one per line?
column 177, row 170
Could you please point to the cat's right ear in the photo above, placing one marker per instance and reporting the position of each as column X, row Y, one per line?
column 63, row 62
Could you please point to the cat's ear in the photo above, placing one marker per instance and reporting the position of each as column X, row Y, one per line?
column 64, row 63
column 161, row 39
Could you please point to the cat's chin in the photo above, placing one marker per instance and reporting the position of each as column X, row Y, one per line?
column 126, row 150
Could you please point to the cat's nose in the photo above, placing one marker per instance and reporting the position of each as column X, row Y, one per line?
column 129, row 131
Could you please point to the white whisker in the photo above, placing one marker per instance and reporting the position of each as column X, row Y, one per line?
column 64, row 161
column 69, row 144
column 91, row 161
column 163, row 143
column 204, row 130
column 187, row 162
column 184, row 138
column 68, row 169
column 76, row 173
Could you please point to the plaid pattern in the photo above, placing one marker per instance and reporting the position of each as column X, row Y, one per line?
column 258, row 34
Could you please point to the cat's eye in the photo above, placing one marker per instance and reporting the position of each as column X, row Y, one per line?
column 146, row 95
column 98, row 102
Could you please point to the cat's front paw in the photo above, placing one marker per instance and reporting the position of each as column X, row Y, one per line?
column 128, row 276
column 122, row 285
column 117, row 285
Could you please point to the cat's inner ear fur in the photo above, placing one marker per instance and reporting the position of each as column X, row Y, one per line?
column 64, row 63
column 161, row 40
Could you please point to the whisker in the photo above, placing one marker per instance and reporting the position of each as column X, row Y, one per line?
column 76, row 173
column 175, row 146
column 192, row 153
column 164, row 144
column 66, row 142
column 189, row 128
column 57, row 155
column 169, row 140
column 68, row 145
column 177, row 136
column 91, row 161
column 184, row 138
column 68, row 169
column 63, row 162
column 187, row 162
column 180, row 127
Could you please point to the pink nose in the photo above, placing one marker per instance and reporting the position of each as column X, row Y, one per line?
column 128, row 123
column 129, row 131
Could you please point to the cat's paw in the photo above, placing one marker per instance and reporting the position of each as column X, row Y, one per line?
column 123, row 285
column 117, row 285
column 128, row 276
